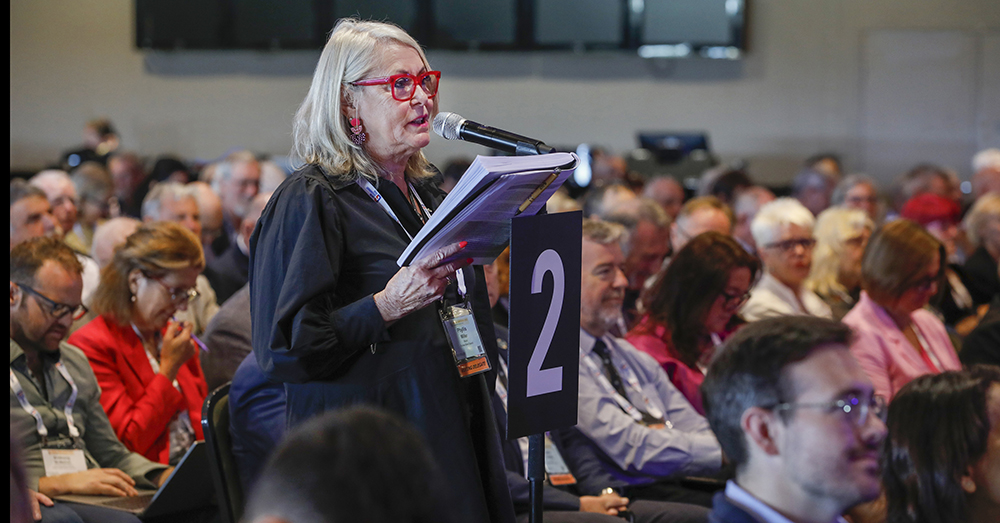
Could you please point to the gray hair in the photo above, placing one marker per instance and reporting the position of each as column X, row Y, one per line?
column 223, row 170
column 93, row 183
column 766, row 226
column 634, row 212
column 810, row 179
column 604, row 233
column 320, row 130
column 849, row 182
column 20, row 189
column 986, row 207
column 161, row 192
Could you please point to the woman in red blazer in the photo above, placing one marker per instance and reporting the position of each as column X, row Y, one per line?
column 146, row 363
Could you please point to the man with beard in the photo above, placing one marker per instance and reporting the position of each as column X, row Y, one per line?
column 644, row 432
column 797, row 416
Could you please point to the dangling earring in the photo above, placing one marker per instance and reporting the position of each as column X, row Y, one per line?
column 133, row 298
column 358, row 135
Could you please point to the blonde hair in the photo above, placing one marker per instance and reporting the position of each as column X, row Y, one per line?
column 155, row 248
column 320, row 130
column 834, row 227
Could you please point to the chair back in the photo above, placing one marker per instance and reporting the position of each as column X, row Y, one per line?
column 215, row 422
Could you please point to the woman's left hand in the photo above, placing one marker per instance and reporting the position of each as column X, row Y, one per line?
column 420, row 284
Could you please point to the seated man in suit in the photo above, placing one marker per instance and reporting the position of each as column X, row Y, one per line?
column 646, row 433
column 56, row 415
column 798, row 417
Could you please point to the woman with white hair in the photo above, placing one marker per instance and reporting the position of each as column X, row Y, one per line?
column 982, row 224
column 334, row 317
column 841, row 236
column 783, row 231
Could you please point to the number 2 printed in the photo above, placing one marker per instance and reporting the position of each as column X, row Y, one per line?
column 545, row 381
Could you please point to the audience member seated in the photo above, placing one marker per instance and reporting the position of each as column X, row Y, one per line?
column 942, row 456
column 646, row 433
column 565, row 502
column 857, row 191
column 58, row 188
column 940, row 217
column 601, row 199
column 168, row 169
column 982, row 345
column 745, row 207
column 228, row 339
column 691, row 309
column 229, row 272
column 54, row 398
column 729, row 184
column 348, row 465
column 835, row 276
column 560, row 201
column 31, row 217
column 982, row 224
column 813, row 189
column 921, row 179
column 145, row 361
column 986, row 173
column 698, row 215
column 99, row 141
column 213, row 239
column 130, row 181
column 798, row 418
column 173, row 202
column 666, row 191
column 271, row 176
column 827, row 163
column 96, row 192
column 236, row 181
column 897, row 340
column 108, row 236
column 783, row 230
column 648, row 244
column 256, row 418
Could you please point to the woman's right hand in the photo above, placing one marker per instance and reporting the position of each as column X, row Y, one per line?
column 418, row 285
column 177, row 348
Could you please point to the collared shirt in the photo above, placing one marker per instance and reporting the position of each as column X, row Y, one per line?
column 642, row 454
column 747, row 502
column 97, row 439
column 770, row 298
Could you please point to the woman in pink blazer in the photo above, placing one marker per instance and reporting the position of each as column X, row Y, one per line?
column 896, row 338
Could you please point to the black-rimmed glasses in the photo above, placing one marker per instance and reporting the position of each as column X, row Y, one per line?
column 789, row 245
column 854, row 408
column 734, row 301
column 55, row 309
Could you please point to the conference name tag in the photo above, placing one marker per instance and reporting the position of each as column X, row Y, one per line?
column 555, row 466
column 463, row 336
column 63, row 461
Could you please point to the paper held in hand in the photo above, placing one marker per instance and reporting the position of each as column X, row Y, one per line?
column 492, row 191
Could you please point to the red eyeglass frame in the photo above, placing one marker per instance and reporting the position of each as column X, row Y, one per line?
column 391, row 80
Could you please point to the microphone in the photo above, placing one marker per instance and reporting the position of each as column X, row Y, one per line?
column 451, row 126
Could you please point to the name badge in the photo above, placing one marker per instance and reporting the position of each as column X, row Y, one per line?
column 555, row 466
column 463, row 336
column 63, row 461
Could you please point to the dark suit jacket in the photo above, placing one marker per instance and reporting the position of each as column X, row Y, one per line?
column 228, row 339
column 228, row 273
column 140, row 403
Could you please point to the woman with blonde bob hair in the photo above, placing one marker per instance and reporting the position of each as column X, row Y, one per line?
column 145, row 361
column 835, row 276
column 334, row 317
column 896, row 339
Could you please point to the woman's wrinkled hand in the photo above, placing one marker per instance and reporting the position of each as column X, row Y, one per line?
column 420, row 284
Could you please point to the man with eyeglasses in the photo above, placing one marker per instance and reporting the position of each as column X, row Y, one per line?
column 797, row 416
column 68, row 445
column 783, row 231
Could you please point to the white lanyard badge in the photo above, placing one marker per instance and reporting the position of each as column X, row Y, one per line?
column 631, row 381
column 15, row 385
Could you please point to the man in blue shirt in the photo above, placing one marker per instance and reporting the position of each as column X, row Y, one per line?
column 647, row 435
column 798, row 417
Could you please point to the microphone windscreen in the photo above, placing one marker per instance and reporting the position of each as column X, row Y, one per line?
column 448, row 125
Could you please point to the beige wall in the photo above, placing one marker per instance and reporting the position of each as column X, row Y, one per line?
column 802, row 88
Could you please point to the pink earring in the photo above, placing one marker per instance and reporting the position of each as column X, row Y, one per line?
column 358, row 135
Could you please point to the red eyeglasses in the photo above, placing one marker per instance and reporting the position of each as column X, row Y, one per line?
column 404, row 85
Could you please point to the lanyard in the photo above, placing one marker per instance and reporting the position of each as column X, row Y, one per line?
column 633, row 383
column 22, row 398
column 929, row 357
column 377, row 197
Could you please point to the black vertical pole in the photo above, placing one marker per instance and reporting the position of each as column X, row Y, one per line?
column 536, row 475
